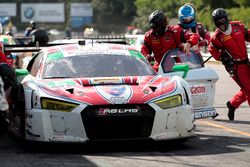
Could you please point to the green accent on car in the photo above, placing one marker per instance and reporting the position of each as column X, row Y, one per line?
column 136, row 53
column 66, row 82
column 54, row 56
column 69, row 82
column 21, row 72
column 6, row 40
column 181, row 67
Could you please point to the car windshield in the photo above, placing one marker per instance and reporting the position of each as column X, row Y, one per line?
column 178, row 57
column 98, row 65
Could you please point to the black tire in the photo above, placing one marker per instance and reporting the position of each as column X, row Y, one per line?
column 18, row 109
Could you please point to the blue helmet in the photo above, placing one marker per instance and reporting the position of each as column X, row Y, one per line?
column 186, row 15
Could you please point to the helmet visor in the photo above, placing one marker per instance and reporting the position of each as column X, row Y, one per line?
column 152, row 25
column 220, row 22
column 187, row 19
column 160, row 29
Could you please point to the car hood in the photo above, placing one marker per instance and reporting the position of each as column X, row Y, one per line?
column 110, row 90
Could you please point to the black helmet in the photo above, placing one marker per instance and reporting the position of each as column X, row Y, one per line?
column 220, row 18
column 158, row 21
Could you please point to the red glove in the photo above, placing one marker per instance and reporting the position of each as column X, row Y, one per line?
column 181, row 47
column 150, row 58
column 203, row 42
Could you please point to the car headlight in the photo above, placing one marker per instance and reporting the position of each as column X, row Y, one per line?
column 169, row 102
column 57, row 105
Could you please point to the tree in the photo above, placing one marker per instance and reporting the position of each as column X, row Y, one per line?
column 145, row 7
column 243, row 3
column 113, row 15
column 241, row 14
column 171, row 7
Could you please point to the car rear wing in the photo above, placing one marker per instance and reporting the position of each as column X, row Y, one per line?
column 85, row 41
column 117, row 39
column 10, row 48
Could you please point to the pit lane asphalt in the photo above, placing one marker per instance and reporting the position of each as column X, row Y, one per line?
column 219, row 142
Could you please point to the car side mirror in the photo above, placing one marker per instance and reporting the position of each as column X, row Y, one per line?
column 21, row 72
column 181, row 67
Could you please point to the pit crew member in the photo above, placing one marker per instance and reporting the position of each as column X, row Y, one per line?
column 228, row 45
column 163, row 37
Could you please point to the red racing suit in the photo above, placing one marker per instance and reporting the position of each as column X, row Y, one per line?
column 204, row 36
column 5, row 58
column 235, row 45
column 171, row 39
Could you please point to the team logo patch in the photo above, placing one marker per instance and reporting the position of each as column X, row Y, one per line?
column 155, row 41
column 226, row 37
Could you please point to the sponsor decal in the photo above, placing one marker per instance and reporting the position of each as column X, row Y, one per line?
column 106, row 80
column 29, row 12
column 108, row 111
column 116, row 47
column 52, row 50
column 204, row 114
column 116, row 91
column 198, row 89
column 70, row 49
column 115, row 94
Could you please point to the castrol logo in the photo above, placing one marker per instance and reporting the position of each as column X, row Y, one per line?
column 198, row 89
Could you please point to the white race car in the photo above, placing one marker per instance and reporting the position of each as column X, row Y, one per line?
column 77, row 93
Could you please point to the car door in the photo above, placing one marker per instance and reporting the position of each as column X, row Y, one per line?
column 201, row 79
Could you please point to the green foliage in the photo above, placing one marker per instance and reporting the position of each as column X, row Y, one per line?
column 169, row 7
column 243, row 3
column 204, row 10
column 113, row 16
column 145, row 7
column 241, row 14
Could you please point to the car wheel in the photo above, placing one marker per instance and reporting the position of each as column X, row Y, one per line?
column 17, row 111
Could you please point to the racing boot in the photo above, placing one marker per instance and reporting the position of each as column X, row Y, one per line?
column 231, row 110
column 216, row 115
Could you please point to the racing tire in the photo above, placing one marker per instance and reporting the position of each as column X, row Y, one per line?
column 17, row 111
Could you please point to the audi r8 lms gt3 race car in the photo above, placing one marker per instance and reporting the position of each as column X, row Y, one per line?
column 201, row 79
column 78, row 93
